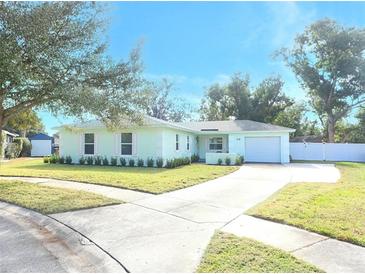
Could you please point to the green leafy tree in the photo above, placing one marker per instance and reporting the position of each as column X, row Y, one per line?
column 294, row 117
column 268, row 100
column 26, row 122
column 329, row 62
column 52, row 55
column 351, row 133
column 222, row 101
column 160, row 104
column 235, row 99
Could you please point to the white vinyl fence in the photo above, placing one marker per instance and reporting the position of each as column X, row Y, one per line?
column 328, row 152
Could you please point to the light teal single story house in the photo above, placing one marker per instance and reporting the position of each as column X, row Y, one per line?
column 155, row 138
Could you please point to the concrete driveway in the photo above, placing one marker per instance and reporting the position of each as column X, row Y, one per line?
column 169, row 232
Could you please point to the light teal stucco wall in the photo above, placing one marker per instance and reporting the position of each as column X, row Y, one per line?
column 149, row 143
column 169, row 144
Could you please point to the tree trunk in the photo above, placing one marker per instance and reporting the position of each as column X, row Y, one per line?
column 331, row 128
column 2, row 148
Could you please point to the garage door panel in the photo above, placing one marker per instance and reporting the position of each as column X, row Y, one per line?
column 41, row 147
column 262, row 149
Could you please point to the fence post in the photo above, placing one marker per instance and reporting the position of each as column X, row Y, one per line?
column 323, row 151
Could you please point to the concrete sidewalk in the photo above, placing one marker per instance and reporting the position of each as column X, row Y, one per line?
column 125, row 195
column 328, row 254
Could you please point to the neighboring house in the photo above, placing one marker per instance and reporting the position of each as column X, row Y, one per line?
column 211, row 140
column 8, row 138
column 41, row 145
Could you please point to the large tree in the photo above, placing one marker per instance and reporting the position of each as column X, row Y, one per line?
column 236, row 100
column 329, row 62
column 162, row 105
column 26, row 122
column 294, row 117
column 52, row 55
column 223, row 101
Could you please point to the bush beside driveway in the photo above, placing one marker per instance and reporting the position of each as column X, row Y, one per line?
column 152, row 180
column 335, row 210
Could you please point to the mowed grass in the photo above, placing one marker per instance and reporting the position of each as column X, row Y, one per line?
column 336, row 210
column 229, row 253
column 48, row 200
column 153, row 180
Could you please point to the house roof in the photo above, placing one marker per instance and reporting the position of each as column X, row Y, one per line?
column 10, row 133
column 203, row 126
column 40, row 136
column 146, row 121
column 233, row 126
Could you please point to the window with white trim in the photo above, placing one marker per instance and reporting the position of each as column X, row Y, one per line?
column 216, row 143
column 89, row 143
column 177, row 142
column 126, row 143
column 187, row 142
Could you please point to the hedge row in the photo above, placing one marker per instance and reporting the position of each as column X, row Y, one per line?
column 104, row 161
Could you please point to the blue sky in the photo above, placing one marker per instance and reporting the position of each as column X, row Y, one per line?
column 196, row 44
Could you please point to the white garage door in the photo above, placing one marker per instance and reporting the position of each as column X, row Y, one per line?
column 262, row 149
column 41, row 147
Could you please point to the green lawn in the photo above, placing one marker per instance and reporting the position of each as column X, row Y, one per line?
column 228, row 253
column 336, row 210
column 153, row 180
column 48, row 200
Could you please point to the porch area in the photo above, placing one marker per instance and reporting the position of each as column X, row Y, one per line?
column 213, row 147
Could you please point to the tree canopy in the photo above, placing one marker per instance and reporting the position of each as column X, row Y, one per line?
column 329, row 61
column 53, row 55
column 162, row 105
column 235, row 99
column 26, row 122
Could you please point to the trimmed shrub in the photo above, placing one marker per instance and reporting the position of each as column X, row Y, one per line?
column 219, row 161
column 98, row 160
column 54, row 159
column 62, row 160
column 228, row 161
column 238, row 161
column 150, row 162
column 169, row 163
column 89, row 160
column 140, row 163
column 105, row 161
column 82, row 160
column 12, row 150
column 123, row 162
column 114, row 161
column 242, row 159
column 176, row 162
column 194, row 158
column 68, row 160
column 131, row 162
column 159, row 162
column 46, row 160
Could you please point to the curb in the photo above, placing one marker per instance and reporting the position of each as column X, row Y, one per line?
column 75, row 252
